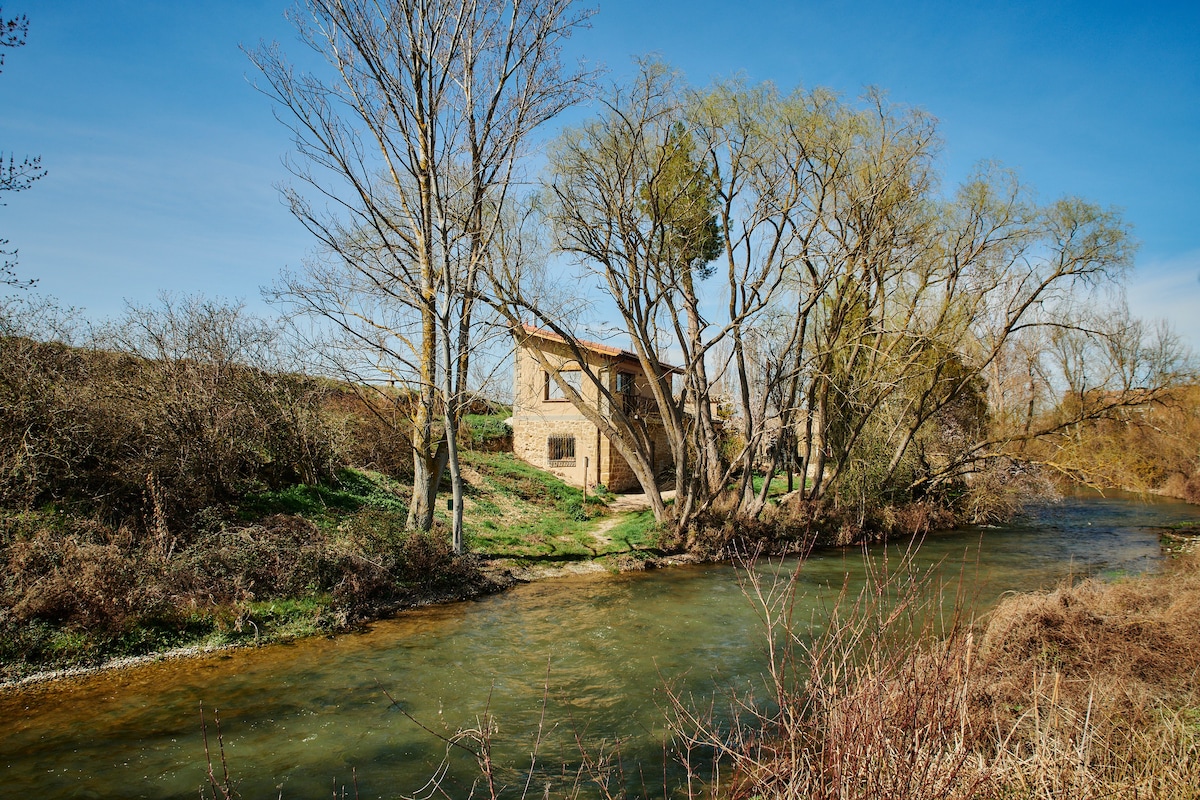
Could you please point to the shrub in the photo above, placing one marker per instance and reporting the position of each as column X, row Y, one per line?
column 1087, row 691
column 379, row 436
column 1191, row 489
column 487, row 433
column 182, row 408
column 87, row 577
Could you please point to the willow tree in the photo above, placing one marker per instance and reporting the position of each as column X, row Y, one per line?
column 795, row 256
column 932, row 303
column 670, row 199
column 406, row 145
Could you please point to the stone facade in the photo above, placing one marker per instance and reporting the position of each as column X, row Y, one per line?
column 550, row 433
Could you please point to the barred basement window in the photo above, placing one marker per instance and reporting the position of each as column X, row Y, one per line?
column 561, row 450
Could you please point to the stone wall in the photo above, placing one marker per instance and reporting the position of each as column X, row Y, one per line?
column 531, row 444
column 536, row 419
column 617, row 474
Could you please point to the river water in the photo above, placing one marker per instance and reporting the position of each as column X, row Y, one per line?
column 597, row 652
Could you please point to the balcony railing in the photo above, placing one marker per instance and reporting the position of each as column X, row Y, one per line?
column 639, row 407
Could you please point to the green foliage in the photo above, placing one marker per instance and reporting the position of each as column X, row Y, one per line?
column 680, row 198
column 351, row 490
column 637, row 531
column 489, row 432
column 576, row 510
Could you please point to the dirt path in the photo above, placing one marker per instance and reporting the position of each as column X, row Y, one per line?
column 636, row 502
column 619, row 508
column 600, row 532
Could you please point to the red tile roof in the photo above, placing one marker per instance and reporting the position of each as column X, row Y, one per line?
column 595, row 347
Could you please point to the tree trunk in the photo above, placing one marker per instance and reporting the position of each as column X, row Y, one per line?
column 427, row 473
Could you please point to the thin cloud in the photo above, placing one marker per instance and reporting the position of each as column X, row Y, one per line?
column 1169, row 289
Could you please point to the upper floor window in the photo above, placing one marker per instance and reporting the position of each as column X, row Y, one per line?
column 625, row 383
column 573, row 378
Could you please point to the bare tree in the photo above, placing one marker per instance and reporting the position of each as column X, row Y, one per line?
column 412, row 146
column 15, row 175
column 667, row 193
column 797, row 247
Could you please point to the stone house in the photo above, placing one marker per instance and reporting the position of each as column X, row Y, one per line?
column 551, row 434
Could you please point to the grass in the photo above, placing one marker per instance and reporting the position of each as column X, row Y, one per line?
column 511, row 510
column 485, row 429
column 291, row 618
column 778, row 484
column 514, row 510
column 637, row 531
column 352, row 491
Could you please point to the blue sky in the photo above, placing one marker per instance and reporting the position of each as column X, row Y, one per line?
column 162, row 158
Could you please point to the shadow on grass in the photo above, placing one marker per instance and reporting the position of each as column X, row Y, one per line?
column 541, row 558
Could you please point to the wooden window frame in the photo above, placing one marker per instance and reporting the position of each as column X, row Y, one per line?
column 549, row 385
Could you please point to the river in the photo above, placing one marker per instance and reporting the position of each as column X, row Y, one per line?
column 303, row 717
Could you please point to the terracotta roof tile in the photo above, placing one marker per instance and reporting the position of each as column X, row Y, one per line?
column 595, row 347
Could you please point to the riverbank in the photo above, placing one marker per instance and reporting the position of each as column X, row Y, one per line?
column 272, row 623
column 603, row 649
column 1090, row 689
column 77, row 592
column 499, row 575
column 619, row 539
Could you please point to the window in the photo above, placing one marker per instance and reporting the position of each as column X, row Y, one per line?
column 626, row 391
column 561, row 451
column 573, row 378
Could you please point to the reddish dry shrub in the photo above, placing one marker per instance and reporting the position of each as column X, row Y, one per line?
column 281, row 556
column 380, row 444
column 919, row 519
column 88, row 577
column 1185, row 488
column 1119, row 649
column 379, row 423
column 795, row 526
column 1191, row 489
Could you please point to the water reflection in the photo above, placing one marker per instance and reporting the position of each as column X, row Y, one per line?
column 300, row 716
